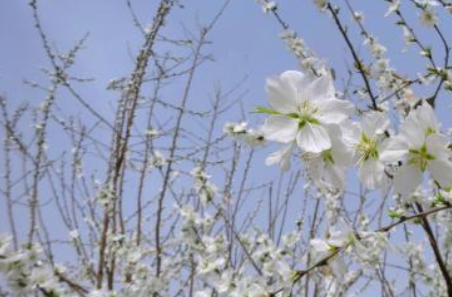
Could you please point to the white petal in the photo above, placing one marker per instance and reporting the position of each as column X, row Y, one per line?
column 393, row 150
column 437, row 146
column 286, row 91
column 280, row 128
column 281, row 95
column 334, row 111
column 342, row 154
column 281, row 157
column 321, row 88
column 412, row 132
column 340, row 233
column 441, row 171
column 319, row 246
column 407, row 179
column 351, row 133
column 371, row 173
column 325, row 174
column 296, row 79
column 339, row 268
column 335, row 176
column 427, row 117
column 375, row 123
column 313, row 138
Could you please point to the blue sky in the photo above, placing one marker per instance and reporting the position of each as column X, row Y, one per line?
column 245, row 43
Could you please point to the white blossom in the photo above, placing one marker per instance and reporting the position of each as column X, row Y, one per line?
column 158, row 159
column 427, row 2
column 421, row 147
column 281, row 157
column 269, row 6
column 366, row 138
column 429, row 18
column 393, row 7
column 329, row 167
column 203, row 186
column 241, row 132
column 321, row 4
column 301, row 107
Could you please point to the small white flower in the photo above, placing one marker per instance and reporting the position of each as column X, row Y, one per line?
column 4, row 243
column 269, row 6
column 407, row 101
column 376, row 48
column 421, row 148
column 240, row 132
column 203, row 186
column 358, row 16
column 393, row 7
column 158, row 159
column 202, row 294
column 74, row 234
column 302, row 106
column 43, row 277
column 366, row 138
column 427, row 2
column 340, row 236
column 152, row 133
column 256, row 291
column 369, row 248
column 380, row 67
column 281, row 157
column 233, row 129
column 429, row 18
column 321, row 4
column 328, row 167
column 408, row 35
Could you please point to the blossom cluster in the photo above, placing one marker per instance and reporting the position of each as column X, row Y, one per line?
column 305, row 114
column 26, row 272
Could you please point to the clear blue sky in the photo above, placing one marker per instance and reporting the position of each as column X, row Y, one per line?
column 245, row 43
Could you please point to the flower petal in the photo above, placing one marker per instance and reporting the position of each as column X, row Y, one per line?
column 313, row 138
column 412, row 131
column 441, row 171
column 375, row 123
column 393, row 150
column 280, row 128
column 281, row 95
column 334, row 111
column 326, row 174
column 319, row 248
column 437, row 146
column 343, row 155
column 296, row 79
column 371, row 173
column 407, row 179
column 351, row 133
column 281, row 157
column 321, row 88
column 286, row 90
column 427, row 117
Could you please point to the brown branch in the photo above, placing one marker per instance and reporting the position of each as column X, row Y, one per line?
column 434, row 244
column 422, row 215
column 358, row 62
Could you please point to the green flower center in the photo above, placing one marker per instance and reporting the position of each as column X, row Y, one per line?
column 420, row 158
column 306, row 113
column 429, row 131
column 367, row 147
column 328, row 157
